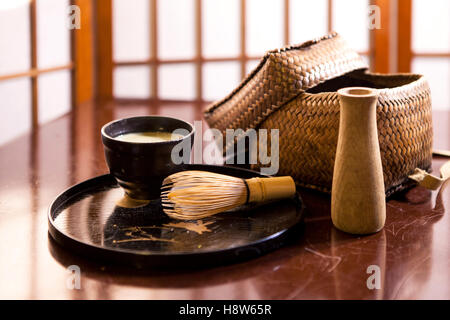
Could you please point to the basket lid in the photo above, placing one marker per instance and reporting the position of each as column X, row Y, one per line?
column 281, row 75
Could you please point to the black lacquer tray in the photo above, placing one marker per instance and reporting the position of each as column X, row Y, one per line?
column 91, row 219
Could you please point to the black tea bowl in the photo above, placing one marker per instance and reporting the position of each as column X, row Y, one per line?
column 140, row 167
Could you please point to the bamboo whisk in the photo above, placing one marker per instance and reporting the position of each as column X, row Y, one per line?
column 190, row 195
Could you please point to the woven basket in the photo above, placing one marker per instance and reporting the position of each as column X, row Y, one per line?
column 294, row 90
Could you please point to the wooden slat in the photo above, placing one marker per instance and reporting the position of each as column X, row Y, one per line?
column 35, row 72
column 83, row 55
column 73, row 89
column 104, row 54
column 286, row 22
column 380, row 41
column 404, row 52
column 176, row 61
column 198, row 49
column 33, row 54
column 243, row 57
column 202, row 59
column 330, row 15
column 154, row 48
column 431, row 54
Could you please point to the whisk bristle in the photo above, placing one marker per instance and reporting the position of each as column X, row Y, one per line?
column 190, row 195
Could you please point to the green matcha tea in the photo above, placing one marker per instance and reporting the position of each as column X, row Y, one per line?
column 149, row 136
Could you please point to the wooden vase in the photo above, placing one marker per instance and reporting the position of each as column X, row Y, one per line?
column 358, row 203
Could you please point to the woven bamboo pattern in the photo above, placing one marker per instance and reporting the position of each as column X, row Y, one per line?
column 294, row 90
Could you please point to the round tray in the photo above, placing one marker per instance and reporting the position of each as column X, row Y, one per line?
column 92, row 219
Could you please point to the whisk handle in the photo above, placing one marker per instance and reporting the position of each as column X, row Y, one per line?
column 265, row 189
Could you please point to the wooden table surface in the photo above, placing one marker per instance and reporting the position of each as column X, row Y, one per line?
column 412, row 251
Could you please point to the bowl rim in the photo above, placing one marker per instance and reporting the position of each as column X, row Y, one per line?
column 107, row 136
